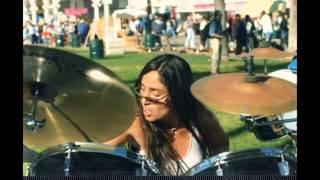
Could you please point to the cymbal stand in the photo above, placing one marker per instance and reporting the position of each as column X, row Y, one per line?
column 250, row 68
column 249, row 65
column 30, row 119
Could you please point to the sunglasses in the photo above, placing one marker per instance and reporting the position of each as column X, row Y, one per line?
column 155, row 100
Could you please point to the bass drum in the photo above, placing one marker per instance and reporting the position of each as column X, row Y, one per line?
column 264, row 161
column 90, row 159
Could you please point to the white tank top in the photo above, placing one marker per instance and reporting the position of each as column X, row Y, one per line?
column 193, row 156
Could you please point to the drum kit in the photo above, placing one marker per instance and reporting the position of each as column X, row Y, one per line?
column 72, row 105
column 267, row 104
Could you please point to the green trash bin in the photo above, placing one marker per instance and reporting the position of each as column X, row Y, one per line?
column 96, row 49
column 149, row 41
column 75, row 40
column 59, row 41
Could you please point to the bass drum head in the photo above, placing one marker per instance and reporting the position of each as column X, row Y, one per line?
column 87, row 159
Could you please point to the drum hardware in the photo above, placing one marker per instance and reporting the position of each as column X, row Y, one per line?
column 219, row 171
column 274, row 122
column 67, row 161
column 147, row 163
column 143, row 170
column 267, row 128
column 249, row 65
column 248, row 127
column 42, row 91
column 283, row 166
column 30, row 119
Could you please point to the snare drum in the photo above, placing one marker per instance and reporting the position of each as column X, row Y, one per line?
column 90, row 159
column 264, row 161
column 263, row 128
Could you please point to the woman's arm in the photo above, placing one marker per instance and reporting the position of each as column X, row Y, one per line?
column 119, row 140
column 133, row 135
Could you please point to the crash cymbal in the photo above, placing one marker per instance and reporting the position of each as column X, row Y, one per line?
column 28, row 154
column 267, row 54
column 234, row 93
column 78, row 99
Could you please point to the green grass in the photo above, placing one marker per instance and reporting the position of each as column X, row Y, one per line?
column 129, row 65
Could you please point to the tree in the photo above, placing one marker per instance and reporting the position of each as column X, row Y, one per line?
column 220, row 5
column 292, row 42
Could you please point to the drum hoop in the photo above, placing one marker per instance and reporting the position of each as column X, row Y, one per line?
column 59, row 149
column 238, row 155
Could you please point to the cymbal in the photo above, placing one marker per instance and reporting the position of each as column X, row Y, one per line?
column 28, row 154
column 267, row 54
column 80, row 100
column 232, row 93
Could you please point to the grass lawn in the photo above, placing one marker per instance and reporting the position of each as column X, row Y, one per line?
column 129, row 65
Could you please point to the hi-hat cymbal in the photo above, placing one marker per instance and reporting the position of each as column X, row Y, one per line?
column 267, row 54
column 80, row 100
column 234, row 94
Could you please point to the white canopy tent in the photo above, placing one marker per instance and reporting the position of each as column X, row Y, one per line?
column 127, row 13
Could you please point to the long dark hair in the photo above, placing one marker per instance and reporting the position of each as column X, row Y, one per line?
column 176, row 74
